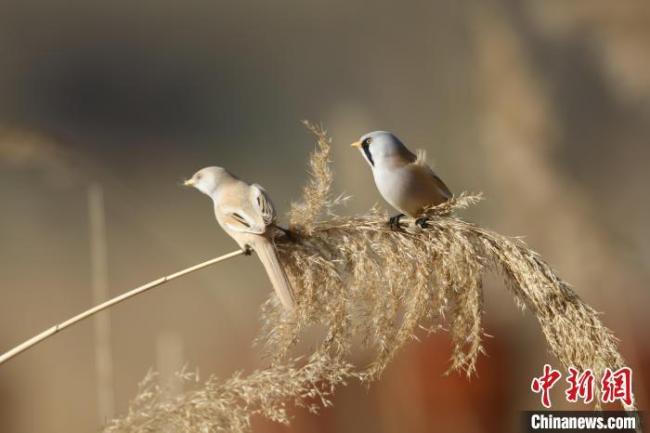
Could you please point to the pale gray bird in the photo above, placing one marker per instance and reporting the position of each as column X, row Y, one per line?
column 247, row 214
column 404, row 180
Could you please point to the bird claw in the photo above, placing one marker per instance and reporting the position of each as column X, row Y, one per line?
column 394, row 221
column 248, row 250
column 423, row 222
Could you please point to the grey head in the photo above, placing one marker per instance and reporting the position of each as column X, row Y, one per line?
column 208, row 179
column 378, row 147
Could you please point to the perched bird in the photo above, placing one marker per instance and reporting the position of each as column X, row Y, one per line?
column 247, row 214
column 404, row 180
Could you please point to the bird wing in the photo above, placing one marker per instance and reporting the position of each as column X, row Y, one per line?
column 248, row 209
column 421, row 160
column 239, row 220
column 444, row 189
column 263, row 204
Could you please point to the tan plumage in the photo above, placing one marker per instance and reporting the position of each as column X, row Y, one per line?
column 247, row 214
column 404, row 180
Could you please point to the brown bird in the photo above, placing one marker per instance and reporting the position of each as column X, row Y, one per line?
column 247, row 214
column 403, row 179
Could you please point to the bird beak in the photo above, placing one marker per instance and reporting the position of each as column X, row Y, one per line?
column 189, row 182
column 356, row 144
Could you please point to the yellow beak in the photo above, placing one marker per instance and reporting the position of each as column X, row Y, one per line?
column 356, row 144
column 189, row 182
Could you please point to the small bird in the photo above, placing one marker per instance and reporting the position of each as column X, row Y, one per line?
column 247, row 214
column 404, row 180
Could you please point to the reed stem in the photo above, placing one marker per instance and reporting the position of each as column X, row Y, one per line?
column 116, row 300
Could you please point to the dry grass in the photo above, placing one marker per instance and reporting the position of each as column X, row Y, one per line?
column 228, row 406
column 358, row 280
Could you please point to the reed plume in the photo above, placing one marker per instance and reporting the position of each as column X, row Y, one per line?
column 359, row 280
column 228, row 406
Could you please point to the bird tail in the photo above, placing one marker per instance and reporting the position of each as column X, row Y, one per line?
column 268, row 256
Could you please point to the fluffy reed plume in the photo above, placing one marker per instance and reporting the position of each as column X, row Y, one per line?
column 358, row 280
column 316, row 194
column 228, row 406
column 357, row 277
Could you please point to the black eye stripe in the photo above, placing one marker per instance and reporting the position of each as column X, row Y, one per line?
column 366, row 151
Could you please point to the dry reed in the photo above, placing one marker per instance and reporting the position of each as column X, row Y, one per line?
column 358, row 280
column 228, row 406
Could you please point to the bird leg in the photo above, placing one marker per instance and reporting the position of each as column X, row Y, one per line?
column 422, row 222
column 393, row 222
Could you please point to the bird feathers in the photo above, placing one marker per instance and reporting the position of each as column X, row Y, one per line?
column 420, row 157
column 263, row 203
column 267, row 254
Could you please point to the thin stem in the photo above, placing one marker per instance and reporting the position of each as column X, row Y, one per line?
column 116, row 300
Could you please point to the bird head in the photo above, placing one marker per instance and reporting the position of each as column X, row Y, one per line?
column 207, row 179
column 378, row 146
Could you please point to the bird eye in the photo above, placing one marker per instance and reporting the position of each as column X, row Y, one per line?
column 368, row 140
column 198, row 176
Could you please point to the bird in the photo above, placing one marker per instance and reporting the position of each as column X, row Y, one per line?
column 403, row 179
column 246, row 213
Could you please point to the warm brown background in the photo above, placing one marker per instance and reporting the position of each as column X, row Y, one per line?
column 543, row 105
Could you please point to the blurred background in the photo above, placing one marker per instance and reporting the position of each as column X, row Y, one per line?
column 106, row 106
